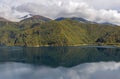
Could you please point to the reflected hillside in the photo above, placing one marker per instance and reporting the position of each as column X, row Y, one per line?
column 59, row 56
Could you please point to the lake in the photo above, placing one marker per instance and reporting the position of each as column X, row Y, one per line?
column 82, row 62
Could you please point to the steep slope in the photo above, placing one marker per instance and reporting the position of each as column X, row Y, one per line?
column 74, row 33
column 46, row 34
column 66, row 32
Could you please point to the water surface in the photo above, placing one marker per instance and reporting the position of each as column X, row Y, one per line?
column 85, row 62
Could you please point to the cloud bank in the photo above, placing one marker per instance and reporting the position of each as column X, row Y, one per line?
column 93, row 10
column 102, row 70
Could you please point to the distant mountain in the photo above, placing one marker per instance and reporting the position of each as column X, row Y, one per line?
column 79, row 19
column 60, row 18
column 74, row 18
column 107, row 23
column 4, row 22
column 3, row 19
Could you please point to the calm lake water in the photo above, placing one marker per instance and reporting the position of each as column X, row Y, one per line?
column 85, row 62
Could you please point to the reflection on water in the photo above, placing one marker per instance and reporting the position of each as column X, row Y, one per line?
column 60, row 62
column 59, row 56
column 102, row 70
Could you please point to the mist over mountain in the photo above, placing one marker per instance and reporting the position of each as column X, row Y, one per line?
column 92, row 10
column 35, row 18
column 72, row 18
column 3, row 19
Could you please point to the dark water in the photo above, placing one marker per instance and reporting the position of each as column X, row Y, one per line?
column 86, row 62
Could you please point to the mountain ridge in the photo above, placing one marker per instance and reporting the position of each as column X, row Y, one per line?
column 45, row 19
column 66, row 32
column 36, row 18
column 79, row 19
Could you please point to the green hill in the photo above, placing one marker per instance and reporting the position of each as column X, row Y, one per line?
column 41, row 31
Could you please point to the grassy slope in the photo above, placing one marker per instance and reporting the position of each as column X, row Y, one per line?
column 57, row 33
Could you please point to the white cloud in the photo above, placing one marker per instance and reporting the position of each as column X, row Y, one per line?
column 104, row 4
column 102, row 70
column 94, row 10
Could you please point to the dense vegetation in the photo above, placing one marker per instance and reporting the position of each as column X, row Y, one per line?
column 40, row 31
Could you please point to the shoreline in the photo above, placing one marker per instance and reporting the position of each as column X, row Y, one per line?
column 78, row 45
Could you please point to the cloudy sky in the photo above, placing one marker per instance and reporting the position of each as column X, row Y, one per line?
column 93, row 10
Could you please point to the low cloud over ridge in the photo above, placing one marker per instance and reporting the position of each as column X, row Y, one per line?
column 92, row 10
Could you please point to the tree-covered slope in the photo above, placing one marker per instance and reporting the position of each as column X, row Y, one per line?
column 37, row 31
